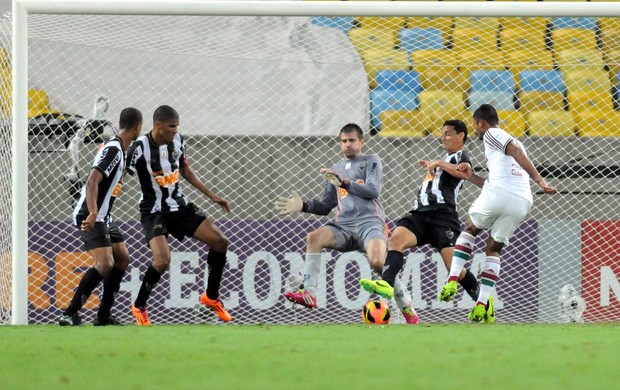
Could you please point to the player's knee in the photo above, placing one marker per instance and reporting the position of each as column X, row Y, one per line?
column 220, row 245
column 396, row 244
column 161, row 262
column 313, row 240
column 104, row 266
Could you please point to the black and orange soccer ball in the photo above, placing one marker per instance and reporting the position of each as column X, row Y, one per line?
column 376, row 313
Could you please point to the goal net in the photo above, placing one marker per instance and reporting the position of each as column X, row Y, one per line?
column 261, row 101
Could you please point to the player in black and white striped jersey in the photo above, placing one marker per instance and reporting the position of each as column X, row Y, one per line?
column 159, row 158
column 92, row 215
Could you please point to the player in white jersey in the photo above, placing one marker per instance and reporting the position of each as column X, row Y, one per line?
column 103, row 239
column 353, row 187
column 503, row 203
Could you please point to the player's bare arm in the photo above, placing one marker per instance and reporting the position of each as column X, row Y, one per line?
column 193, row 179
column 92, row 191
column 460, row 171
column 516, row 152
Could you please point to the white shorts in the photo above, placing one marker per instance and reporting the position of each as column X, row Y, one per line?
column 501, row 211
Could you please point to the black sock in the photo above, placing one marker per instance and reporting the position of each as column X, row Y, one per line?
column 151, row 277
column 89, row 281
column 216, row 262
column 393, row 264
column 470, row 284
column 111, row 286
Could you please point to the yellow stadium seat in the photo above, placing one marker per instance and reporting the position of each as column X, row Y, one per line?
column 587, row 80
column 538, row 23
column 550, row 123
column 612, row 60
column 434, row 59
column 573, row 39
column 39, row 103
column 439, row 106
column 480, row 60
column 375, row 60
column 540, row 100
column 403, row 123
column 473, row 39
column 381, row 22
column 444, row 80
column 485, row 23
column 516, row 39
column 611, row 39
column 598, row 123
column 512, row 121
column 518, row 61
column 569, row 60
column 608, row 23
column 5, row 60
column 365, row 39
column 590, row 100
column 445, row 24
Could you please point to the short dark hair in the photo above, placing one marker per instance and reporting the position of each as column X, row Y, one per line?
column 352, row 127
column 129, row 118
column 487, row 113
column 165, row 113
column 458, row 125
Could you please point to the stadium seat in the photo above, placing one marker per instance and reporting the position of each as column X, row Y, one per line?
column 424, row 60
column 501, row 100
column 445, row 24
column 573, row 39
column 590, row 100
column 588, row 23
column 449, row 79
column 533, row 24
column 512, row 121
column 587, row 80
column 612, row 60
column 569, row 60
column 391, row 23
column 550, row 123
column 390, row 100
column 516, row 39
column 413, row 39
column 371, row 39
column 480, row 60
column 403, row 123
column 485, row 23
column 492, row 80
column 439, row 106
column 518, row 61
column 344, row 23
column 608, row 23
column 473, row 39
column 540, row 100
column 402, row 80
column 388, row 59
column 541, row 80
column 598, row 123
column 611, row 39
column 39, row 103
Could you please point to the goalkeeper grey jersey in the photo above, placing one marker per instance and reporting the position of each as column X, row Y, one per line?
column 361, row 202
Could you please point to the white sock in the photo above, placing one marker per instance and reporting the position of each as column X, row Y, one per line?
column 311, row 272
column 401, row 295
column 488, row 278
column 462, row 253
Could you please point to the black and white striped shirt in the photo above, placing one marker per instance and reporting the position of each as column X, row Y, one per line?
column 158, row 171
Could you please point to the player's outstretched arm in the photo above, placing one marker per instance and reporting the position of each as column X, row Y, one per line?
column 193, row 179
column 460, row 171
column 516, row 152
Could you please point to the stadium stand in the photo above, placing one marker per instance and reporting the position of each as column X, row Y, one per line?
column 598, row 123
column 550, row 123
column 403, row 123
column 383, row 59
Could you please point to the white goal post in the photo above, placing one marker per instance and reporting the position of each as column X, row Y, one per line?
column 20, row 65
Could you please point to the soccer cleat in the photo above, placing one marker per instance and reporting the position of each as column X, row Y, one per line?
column 410, row 315
column 109, row 320
column 379, row 287
column 477, row 313
column 448, row 291
column 303, row 298
column 489, row 315
column 217, row 306
column 141, row 316
column 69, row 320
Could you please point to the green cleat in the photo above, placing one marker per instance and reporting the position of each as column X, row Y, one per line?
column 447, row 292
column 379, row 287
column 477, row 314
column 489, row 315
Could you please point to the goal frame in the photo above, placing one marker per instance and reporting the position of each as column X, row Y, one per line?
column 22, row 8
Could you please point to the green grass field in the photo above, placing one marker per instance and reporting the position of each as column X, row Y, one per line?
column 458, row 356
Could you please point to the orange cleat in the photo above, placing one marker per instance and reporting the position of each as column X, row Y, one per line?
column 141, row 316
column 217, row 306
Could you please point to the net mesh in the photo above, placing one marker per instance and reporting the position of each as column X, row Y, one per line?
column 261, row 101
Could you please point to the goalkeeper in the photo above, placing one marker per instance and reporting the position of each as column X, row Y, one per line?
column 353, row 187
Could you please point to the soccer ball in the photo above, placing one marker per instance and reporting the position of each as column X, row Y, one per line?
column 572, row 305
column 376, row 313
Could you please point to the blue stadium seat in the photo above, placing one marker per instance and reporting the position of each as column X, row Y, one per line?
column 572, row 22
column 383, row 100
column 413, row 39
column 541, row 80
column 492, row 80
column 501, row 100
column 401, row 80
column 344, row 23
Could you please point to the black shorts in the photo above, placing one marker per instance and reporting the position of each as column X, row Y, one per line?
column 427, row 232
column 179, row 224
column 101, row 235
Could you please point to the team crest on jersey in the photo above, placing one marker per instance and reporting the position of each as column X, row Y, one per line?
column 164, row 154
column 175, row 155
column 362, row 166
column 449, row 234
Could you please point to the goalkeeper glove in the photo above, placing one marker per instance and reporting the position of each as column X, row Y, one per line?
column 292, row 204
column 334, row 178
